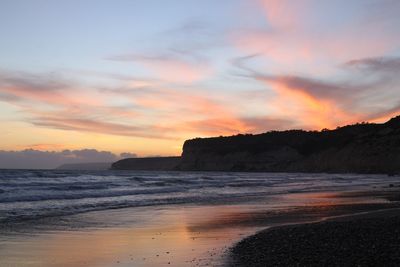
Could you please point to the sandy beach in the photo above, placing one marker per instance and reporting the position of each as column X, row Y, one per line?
column 189, row 234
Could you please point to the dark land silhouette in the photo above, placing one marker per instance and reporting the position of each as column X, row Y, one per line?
column 358, row 148
column 95, row 166
column 148, row 164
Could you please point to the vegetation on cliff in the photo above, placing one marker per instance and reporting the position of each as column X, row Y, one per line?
column 358, row 148
column 362, row 148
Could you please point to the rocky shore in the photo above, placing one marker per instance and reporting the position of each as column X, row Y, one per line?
column 372, row 240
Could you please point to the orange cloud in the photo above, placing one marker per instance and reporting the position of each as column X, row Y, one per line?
column 149, row 112
column 216, row 126
column 57, row 121
column 311, row 111
column 44, row 147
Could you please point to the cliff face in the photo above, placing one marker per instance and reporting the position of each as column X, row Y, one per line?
column 148, row 164
column 361, row 148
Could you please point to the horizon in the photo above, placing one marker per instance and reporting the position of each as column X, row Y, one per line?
column 48, row 160
column 109, row 79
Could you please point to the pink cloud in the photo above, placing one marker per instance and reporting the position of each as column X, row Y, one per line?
column 294, row 41
column 171, row 68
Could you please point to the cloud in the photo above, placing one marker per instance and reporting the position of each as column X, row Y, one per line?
column 181, row 54
column 20, row 86
column 48, row 89
column 314, row 86
column 33, row 81
column 42, row 147
column 37, row 159
column 219, row 125
column 376, row 64
column 236, row 125
column 268, row 123
column 47, row 102
column 284, row 14
column 128, row 155
column 313, row 36
column 317, row 88
column 150, row 108
column 174, row 66
column 384, row 113
column 97, row 126
column 316, row 102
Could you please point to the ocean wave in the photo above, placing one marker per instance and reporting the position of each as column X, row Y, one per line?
column 29, row 195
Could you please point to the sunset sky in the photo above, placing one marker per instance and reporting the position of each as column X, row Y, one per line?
column 143, row 76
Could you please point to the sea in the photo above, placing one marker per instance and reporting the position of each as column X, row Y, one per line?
column 28, row 195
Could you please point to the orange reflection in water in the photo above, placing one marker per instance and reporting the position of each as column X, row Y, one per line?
column 166, row 239
column 171, row 236
column 113, row 246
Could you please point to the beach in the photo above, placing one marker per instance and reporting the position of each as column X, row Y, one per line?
column 123, row 219
column 367, row 239
column 233, row 133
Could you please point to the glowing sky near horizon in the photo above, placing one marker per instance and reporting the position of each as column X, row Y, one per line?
column 142, row 76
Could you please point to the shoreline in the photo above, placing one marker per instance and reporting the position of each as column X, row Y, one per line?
column 369, row 238
column 197, row 232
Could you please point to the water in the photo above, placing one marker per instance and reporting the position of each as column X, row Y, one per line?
column 26, row 195
column 145, row 219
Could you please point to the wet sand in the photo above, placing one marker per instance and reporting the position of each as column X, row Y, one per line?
column 180, row 235
column 139, row 237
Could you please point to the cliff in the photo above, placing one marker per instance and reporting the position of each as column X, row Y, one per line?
column 359, row 148
column 147, row 164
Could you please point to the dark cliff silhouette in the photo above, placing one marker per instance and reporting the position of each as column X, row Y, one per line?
column 358, row 148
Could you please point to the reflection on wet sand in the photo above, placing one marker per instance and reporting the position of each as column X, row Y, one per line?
column 173, row 235
column 160, row 238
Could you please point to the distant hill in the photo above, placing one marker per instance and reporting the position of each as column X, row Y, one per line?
column 148, row 164
column 359, row 148
column 86, row 166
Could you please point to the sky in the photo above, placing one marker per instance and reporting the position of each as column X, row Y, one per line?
column 141, row 77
